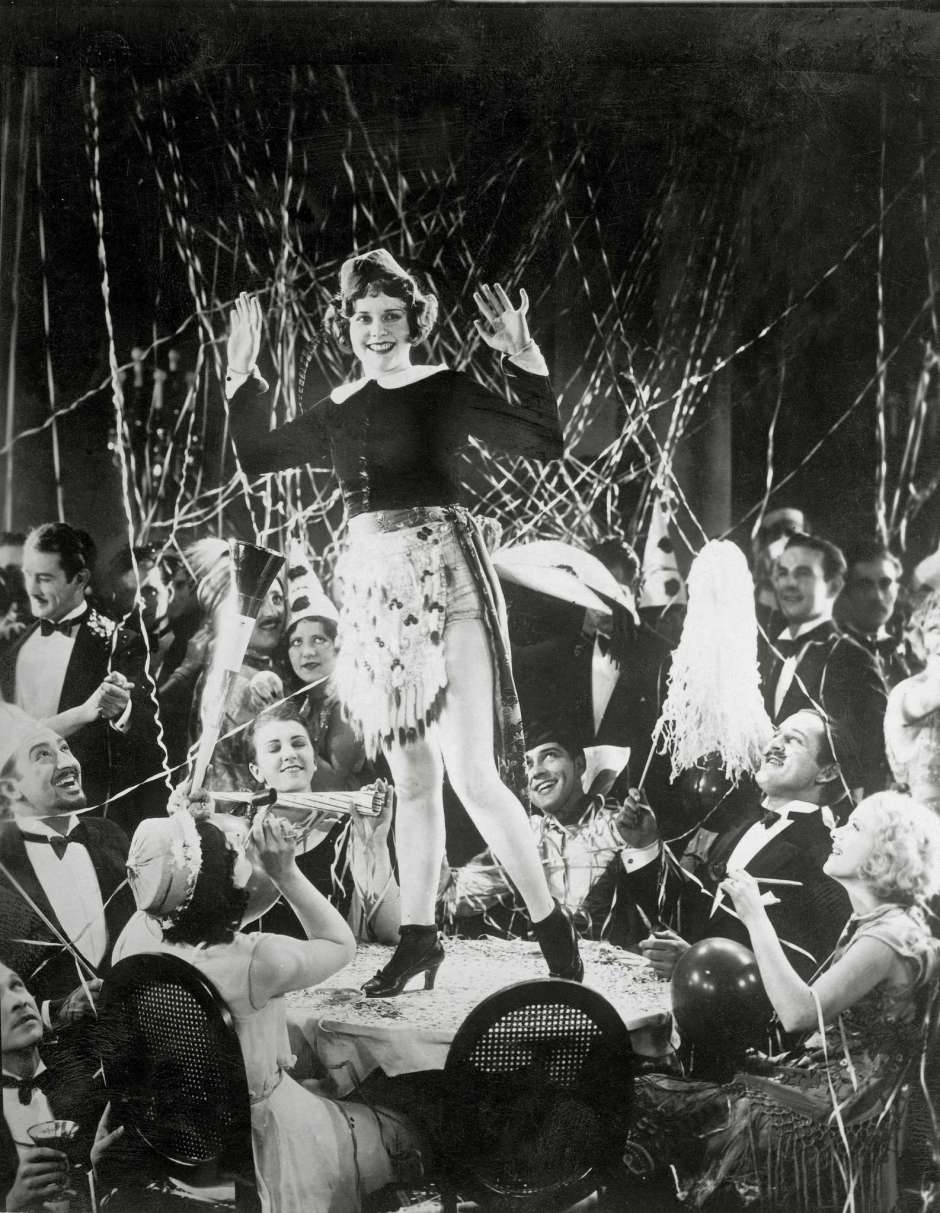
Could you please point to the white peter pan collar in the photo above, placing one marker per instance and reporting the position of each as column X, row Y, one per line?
column 395, row 379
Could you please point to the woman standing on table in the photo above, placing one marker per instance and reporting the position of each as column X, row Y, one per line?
column 423, row 668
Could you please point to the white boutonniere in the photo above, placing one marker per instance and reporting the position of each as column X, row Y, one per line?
column 101, row 625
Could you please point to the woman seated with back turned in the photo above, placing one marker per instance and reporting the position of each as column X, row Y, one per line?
column 309, row 1155
column 780, row 1126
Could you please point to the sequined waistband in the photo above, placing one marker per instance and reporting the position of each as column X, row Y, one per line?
column 380, row 522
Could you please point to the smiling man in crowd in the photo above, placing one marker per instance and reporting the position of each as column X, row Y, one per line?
column 811, row 663
column 65, row 868
column 581, row 836
column 786, row 838
column 67, row 653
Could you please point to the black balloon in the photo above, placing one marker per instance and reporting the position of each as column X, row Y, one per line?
column 703, row 787
column 718, row 998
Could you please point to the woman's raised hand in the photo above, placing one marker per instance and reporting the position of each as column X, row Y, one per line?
column 503, row 327
column 184, row 800
column 746, row 895
column 244, row 336
column 273, row 839
column 264, row 689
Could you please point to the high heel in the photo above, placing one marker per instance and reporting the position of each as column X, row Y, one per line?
column 559, row 943
column 419, row 951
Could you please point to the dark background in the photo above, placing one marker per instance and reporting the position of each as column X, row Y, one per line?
column 783, row 119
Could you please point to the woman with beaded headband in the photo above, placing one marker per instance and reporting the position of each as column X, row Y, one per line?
column 912, row 717
column 423, row 668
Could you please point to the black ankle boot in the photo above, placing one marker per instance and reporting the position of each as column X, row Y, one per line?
column 419, row 951
column 559, row 944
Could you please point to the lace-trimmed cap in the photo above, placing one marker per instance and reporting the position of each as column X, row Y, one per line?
column 163, row 864
column 16, row 728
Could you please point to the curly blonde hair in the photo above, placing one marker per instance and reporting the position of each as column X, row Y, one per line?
column 926, row 614
column 904, row 863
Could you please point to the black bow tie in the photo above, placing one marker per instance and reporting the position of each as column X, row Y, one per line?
column 58, row 842
column 65, row 626
column 26, row 1086
column 790, row 648
column 770, row 818
column 886, row 646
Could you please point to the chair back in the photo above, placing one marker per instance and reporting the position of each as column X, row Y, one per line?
column 172, row 1064
column 538, row 1092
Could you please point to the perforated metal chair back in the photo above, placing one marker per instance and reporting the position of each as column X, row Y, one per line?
column 539, row 1088
column 173, row 1065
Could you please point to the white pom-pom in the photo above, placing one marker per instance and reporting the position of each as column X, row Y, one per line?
column 714, row 704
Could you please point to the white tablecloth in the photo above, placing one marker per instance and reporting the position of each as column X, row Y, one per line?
column 353, row 1035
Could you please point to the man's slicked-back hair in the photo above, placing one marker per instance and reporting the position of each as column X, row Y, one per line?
column 867, row 550
column 75, row 548
column 833, row 561
column 547, row 733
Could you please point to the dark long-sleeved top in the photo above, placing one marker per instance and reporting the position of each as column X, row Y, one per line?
column 397, row 447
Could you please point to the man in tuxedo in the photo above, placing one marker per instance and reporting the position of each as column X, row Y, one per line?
column 866, row 610
column 812, row 663
column 785, row 838
column 43, row 1079
column 605, row 672
column 66, row 654
column 65, row 869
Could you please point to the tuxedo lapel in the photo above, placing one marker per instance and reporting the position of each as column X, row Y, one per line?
column 107, row 847
column 18, row 868
column 778, row 851
column 816, row 646
column 581, row 669
column 86, row 669
column 8, row 664
column 726, row 842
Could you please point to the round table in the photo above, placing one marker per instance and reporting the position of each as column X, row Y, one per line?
column 353, row 1035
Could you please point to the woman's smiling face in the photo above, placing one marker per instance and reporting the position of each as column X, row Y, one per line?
column 380, row 333
column 284, row 757
column 852, row 844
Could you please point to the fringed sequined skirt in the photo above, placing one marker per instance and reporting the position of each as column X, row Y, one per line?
column 400, row 586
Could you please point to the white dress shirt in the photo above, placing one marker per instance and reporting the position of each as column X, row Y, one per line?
column 71, row 885
column 754, row 839
column 788, row 669
column 40, row 669
column 41, row 666
column 21, row 1117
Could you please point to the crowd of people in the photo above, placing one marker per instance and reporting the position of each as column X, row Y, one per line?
column 102, row 674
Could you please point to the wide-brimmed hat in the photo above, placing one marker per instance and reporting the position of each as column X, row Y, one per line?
column 563, row 571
